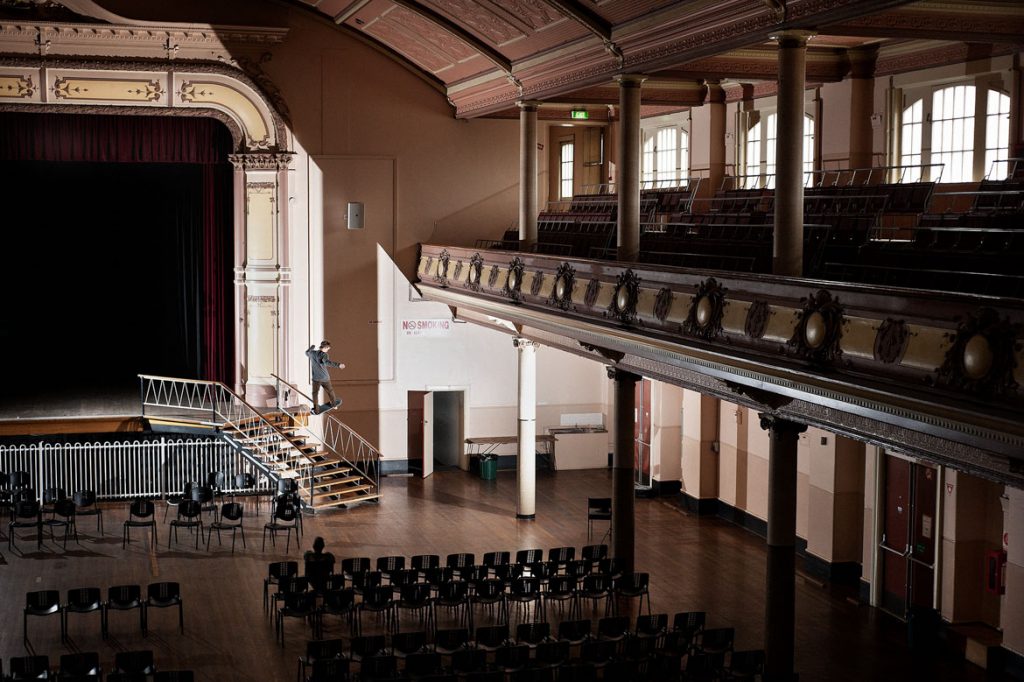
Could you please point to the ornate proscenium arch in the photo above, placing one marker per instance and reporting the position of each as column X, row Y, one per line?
column 261, row 142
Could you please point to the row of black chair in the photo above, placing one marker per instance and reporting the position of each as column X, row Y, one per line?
column 651, row 651
column 88, row 600
column 129, row 666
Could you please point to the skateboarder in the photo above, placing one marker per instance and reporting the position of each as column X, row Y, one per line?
column 318, row 364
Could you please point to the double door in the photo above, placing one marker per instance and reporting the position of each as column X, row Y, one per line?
column 907, row 548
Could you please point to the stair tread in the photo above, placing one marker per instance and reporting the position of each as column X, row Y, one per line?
column 337, row 503
column 343, row 491
column 338, row 481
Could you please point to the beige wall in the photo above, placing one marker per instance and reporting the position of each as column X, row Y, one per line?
column 699, row 469
column 666, row 431
column 834, row 497
column 972, row 525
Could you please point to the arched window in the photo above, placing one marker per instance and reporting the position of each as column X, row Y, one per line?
column 808, row 150
column 997, row 135
column 910, row 141
column 565, row 170
column 771, row 153
column 953, row 132
column 666, row 157
column 752, row 159
column 648, row 161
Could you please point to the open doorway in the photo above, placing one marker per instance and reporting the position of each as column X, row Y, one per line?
column 436, row 430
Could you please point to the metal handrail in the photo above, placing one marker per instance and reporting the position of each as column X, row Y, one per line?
column 225, row 407
column 355, row 450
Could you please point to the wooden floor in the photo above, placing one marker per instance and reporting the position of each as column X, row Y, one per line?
column 695, row 564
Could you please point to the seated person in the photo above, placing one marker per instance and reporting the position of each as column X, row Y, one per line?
column 319, row 565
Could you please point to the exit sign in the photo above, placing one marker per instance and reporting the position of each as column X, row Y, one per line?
column 580, row 114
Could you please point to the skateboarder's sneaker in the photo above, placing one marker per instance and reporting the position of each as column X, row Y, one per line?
column 337, row 401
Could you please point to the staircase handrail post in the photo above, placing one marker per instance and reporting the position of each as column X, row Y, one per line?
column 164, row 485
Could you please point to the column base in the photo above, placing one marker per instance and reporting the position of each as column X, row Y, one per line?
column 526, row 517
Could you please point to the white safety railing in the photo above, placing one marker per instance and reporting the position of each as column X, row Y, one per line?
column 211, row 403
column 337, row 436
column 130, row 468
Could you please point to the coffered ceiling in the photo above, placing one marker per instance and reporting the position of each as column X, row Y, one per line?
column 488, row 54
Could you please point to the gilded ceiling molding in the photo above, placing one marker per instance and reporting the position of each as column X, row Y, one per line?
column 173, row 88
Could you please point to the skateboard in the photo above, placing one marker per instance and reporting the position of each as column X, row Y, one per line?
column 326, row 407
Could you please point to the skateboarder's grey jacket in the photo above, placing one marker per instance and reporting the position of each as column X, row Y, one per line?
column 318, row 364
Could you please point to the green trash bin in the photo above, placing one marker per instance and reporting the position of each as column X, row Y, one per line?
column 488, row 468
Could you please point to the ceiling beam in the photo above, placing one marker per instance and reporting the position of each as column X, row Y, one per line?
column 350, row 11
column 488, row 52
column 590, row 20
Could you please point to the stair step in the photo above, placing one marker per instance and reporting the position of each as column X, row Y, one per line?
column 340, row 471
column 338, row 481
column 350, row 490
column 327, row 504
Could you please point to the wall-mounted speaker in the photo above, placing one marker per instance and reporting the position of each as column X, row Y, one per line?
column 354, row 219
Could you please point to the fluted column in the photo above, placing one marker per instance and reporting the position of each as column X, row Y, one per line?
column 788, row 249
column 715, row 98
column 624, row 419
column 628, row 182
column 526, row 468
column 262, row 272
column 527, row 174
column 780, row 588
column 862, row 105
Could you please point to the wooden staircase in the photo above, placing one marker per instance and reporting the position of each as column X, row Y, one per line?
column 325, row 479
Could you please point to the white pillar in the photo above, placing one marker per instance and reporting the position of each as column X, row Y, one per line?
column 788, row 248
column 526, row 469
column 262, row 272
column 527, row 174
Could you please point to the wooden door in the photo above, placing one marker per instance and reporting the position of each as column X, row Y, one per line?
column 922, row 536
column 907, row 550
column 895, row 545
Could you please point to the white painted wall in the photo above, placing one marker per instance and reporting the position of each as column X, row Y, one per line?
column 480, row 361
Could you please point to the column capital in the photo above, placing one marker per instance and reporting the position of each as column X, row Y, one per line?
column 714, row 93
column 792, row 38
column 528, row 104
column 776, row 424
column 862, row 61
column 630, row 80
column 274, row 161
column 622, row 375
column 521, row 343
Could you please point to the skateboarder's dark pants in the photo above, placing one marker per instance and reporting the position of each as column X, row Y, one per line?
column 328, row 391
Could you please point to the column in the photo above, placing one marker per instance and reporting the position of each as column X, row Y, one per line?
column 527, row 174
column 526, row 469
column 628, row 184
column 716, row 135
column 788, row 249
column 862, row 105
column 624, row 419
column 780, row 589
column 262, row 274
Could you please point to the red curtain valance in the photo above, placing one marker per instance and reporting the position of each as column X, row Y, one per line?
column 111, row 138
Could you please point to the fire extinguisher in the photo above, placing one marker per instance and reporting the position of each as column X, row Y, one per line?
column 995, row 571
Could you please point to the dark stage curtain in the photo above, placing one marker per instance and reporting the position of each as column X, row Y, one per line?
column 112, row 139
column 184, row 236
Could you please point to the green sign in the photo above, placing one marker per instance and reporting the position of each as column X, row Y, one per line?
column 580, row 114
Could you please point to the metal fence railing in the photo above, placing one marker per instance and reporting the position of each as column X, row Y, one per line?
column 130, row 468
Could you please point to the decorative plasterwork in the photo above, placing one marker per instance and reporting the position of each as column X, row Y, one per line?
column 133, row 41
column 170, row 87
column 887, row 433
column 775, row 325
